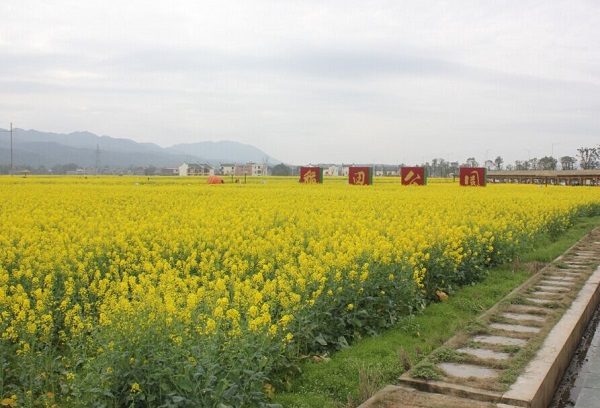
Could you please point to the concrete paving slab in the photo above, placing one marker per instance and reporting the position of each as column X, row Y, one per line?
column 546, row 288
column 515, row 328
column 551, row 282
column 540, row 301
column 595, row 366
column 592, row 380
column 500, row 340
column 484, row 353
column 468, row 371
column 588, row 398
column 529, row 309
column 573, row 273
column 559, row 276
column 577, row 264
column 524, row 317
column 544, row 294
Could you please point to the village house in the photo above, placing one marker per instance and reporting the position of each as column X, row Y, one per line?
column 169, row 171
column 248, row 169
column 196, row 169
column 78, row 172
column 332, row 170
column 386, row 170
column 227, row 169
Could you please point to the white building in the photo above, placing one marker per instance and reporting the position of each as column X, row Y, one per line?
column 332, row 170
column 227, row 169
column 248, row 169
column 196, row 169
column 258, row 169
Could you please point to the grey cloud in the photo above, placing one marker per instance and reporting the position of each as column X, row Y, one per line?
column 329, row 63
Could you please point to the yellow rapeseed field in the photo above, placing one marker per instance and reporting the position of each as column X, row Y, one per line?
column 173, row 292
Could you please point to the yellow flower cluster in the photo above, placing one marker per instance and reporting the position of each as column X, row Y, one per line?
column 78, row 254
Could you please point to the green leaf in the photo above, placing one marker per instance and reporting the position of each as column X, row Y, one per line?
column 321, row 340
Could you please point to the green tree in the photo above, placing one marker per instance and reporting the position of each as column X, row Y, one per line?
column 533, row 164
column 521, row 165
column 471, row 162
column 498, row 162
column 588, row 157
column 280, row 170
column 547, row 163
column 64, row 168
column 568, row 162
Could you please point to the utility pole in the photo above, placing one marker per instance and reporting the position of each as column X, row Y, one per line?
column 11, row 146
column 97, row 159
column 11, row 150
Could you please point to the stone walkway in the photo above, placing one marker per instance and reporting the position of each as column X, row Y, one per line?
column 540, row 322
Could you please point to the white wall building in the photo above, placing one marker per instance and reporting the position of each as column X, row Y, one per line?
column 196, row 169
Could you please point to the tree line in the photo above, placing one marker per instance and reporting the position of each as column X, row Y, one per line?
column 588, row 158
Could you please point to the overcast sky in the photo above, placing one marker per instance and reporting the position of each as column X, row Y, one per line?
column 397, row 81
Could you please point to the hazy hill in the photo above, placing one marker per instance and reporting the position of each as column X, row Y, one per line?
column 224, row 152
column 35, row 148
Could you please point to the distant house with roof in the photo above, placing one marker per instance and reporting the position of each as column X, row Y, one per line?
column 227, row 169
column 387, row 170
column 345, row 171
column 196, row 169
column 258, row 169
column 78, row 172
column 137, row 171
column 169, row 171
column 331, row 170
column 248, row 169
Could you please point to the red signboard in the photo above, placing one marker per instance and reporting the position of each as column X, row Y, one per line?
column 413, row 176
column 473, row 176
column 311, row 175
column 360, row 176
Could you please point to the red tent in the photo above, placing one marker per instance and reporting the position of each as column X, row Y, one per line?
column 215, row 180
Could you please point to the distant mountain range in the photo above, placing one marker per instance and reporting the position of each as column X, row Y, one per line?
column 35, row 148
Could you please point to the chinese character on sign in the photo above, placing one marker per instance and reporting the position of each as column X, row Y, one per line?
column 360, row 176
column 413, row 176
column 473, row 179
column 473, row 176
column 311, row 175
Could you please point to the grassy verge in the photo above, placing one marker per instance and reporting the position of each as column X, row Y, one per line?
column 352, row 375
